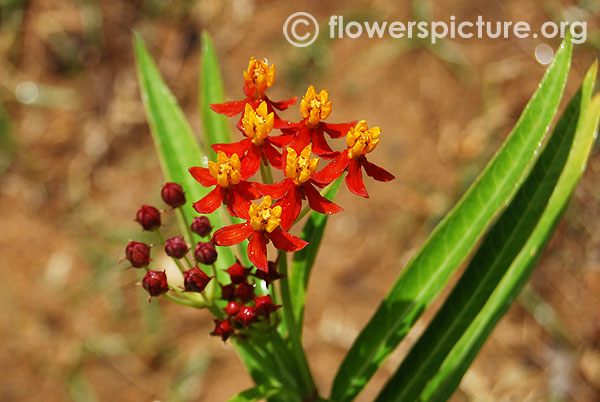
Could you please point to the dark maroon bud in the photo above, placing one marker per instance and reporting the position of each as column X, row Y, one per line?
column 272, row 275
column 246, row 315
column 138, row 254
column 238, row 273
column 148, row 217
column 223, row 329
column 173, row 195
column 155, row 283
column 206, row 253
column 228, row 292
column 175, row 247
column 201, row 225
column 245, row 292
column 233, row 308
column 264, row 305
column 195, row 280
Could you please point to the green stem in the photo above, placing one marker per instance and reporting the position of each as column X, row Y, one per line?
column 188, row 228
column 189, row 263
column 266, row 173
column 183, row 302
column 296, row 341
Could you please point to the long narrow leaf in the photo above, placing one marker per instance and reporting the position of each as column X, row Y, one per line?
column 175, row 141
column 497, row 251
column 216, row 130
column 448, row 378
column 453, row 239
column 304, row 259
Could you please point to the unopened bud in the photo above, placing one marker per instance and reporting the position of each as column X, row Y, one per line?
column 175, row 247
column 155, row 283
column 223, row 329
column 148, row 217
column 195, row 280
column 173, row 195
column 205, row 253
column 201, row 225
column 138, row 254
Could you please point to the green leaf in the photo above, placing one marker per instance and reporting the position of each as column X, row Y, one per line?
column 261, row 392
column 493, row 258
column 304, row 259
column 459, row 359
column 453, row 239
column 216, row 128
column 175, row 141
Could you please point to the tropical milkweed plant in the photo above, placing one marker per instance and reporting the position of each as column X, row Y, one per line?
column 229, row 207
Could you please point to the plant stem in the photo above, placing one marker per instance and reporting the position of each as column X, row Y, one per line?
column 296, row 342
column 188, row 230
column 266, row 173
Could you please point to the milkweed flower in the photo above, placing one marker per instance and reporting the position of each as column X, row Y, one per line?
column 314, row 109
column 361, row 140
column 263, row 224
column 229, row 178
column 298, row 185
column 258, row 77
column 256, row 124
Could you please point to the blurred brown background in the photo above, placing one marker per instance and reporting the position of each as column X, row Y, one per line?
column 76, row 161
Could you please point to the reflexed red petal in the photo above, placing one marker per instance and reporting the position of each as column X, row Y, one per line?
column 211, row 201
column 238, row 148
column 291, row 205
column 247, row 190
column 282, row 140
column 337, row 130
column 273, row 156
column 333, row 170
column 280, row 124
column 302, row 139
column 354, row 180
column 202, row 176
column 276, row 190
column 237, row 204
column 234, row 234
column 376, row 172
column 319, row 144
column 319, row 203
column 285, row 241
column 284, row 104
column 251, row 162
column 229, row 108
column 257, row 251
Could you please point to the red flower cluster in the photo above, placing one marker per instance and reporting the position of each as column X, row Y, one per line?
column 239, row 161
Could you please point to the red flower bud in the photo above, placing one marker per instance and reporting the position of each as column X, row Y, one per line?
column 173, row 195
column 201, row 225
column 148, row 217
column 263, row 305
column 206, row 253
column 228, row 292
column 138, row 254
column 175, row 247
column 233, row 308
column 223, row 329
column 245, row 292
column 155, row 283
column 270, row 276
column 246, row 315
column 195, row 280
column 238, row 273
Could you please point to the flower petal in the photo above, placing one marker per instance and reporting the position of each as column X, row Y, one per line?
column 337, row 130
column 234, row 234
column 276, row 190
column 283, row 104
column 273, row 156
column 202, row 176
column 376, row 172
column 237, row 204
column 319, row 203
column 319, row 144
column 302, row 139
column 211, row 201
column 238, row 148
column 354, row 180
column 257, row 251
column 285, row 241
column 251, row 162
column 229, row 108
column 333, row 170
column 282, row 140
column 291, row 205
